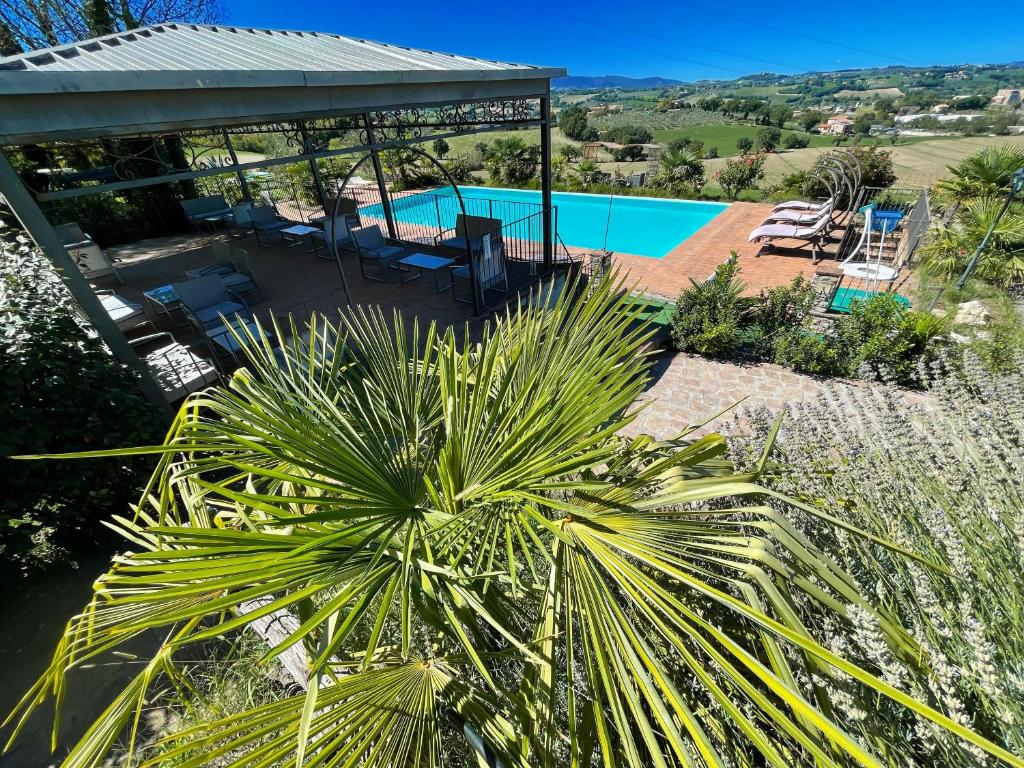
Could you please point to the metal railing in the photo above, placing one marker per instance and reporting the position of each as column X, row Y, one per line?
column 902, row 242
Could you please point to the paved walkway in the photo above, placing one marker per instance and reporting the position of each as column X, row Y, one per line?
column 698, row 255
column 687, row 390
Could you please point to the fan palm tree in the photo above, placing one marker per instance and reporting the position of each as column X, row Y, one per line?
column 681, row 170
column 511, row 161
column 948, row 249
column 986, row 174
column 481, row 569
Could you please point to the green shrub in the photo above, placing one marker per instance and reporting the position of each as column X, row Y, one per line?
column 781, row 309
column 711, row 153
column 573, row 122
column 887, row 341
column 768, row 138
column 62, row 391
column 709, row 316
column 744, row 144
column 740, row 173
column 795, row 141
column 809, row 352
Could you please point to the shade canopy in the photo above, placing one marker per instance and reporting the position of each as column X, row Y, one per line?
column 175, row 76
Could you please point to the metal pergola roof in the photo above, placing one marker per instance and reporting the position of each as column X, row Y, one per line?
column 172, row 76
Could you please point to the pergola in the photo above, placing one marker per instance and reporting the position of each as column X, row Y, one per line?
column 163, row 104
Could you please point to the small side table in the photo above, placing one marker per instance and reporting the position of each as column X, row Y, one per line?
column 425, row 262
column 163, row 300
column 295, row 234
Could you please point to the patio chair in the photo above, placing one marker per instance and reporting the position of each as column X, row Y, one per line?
column 232, row 267
column 126, row 314
column 373, row 248
column 468, row 228
column 202, row 209
column 178, row 371
column 85, row 252
column 205, row 299
column 241, row 219
column 489, row 270
column 336, row 229
column 266, row 219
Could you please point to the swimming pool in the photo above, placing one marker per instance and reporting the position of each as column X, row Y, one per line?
column 643, row 226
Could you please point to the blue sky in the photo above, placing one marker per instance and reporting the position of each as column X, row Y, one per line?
column 681, row 39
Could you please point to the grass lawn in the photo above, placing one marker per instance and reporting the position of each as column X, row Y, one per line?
column 725, row 135
column 919, row 163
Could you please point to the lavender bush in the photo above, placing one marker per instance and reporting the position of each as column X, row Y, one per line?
column 942, row 477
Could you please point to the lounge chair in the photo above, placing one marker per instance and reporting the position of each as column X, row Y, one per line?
column 803, row 205
column 799, row 217
column 232, row 267
column 468, row 228
column 266, row 219
column 206, row 298
column 489, row 271
column 336, row 229
column 814, row 234
column 85, row 252
column 127, row 314
column 178, row 371
column 373, row 248
column 211, row 208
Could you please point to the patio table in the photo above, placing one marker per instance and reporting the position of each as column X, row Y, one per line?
column 163, row 300
column 425, row 262
column 297, row 232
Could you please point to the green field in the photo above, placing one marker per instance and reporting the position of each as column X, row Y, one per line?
column 463, row 145
column 725, row 135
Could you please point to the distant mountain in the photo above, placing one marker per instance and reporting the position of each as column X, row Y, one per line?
column 574, row 82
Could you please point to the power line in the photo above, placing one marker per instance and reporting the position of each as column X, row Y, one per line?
column 663, row 38
column 789, row 31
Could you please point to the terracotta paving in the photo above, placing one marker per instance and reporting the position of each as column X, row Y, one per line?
column 686, row 390
column 698, row 255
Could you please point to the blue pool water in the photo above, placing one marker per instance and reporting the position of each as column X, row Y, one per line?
column 639, row 225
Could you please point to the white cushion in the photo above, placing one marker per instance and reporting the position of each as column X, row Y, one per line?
column 123, row 312
column 179, row 371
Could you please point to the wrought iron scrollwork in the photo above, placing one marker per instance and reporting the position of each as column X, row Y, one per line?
column 205, row 149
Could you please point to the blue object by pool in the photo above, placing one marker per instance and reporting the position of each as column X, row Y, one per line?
column 885, row 221
column 642, row 226
column 846, row 296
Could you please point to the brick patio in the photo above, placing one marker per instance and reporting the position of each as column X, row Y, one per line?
column 687, row 390
column 698, row 255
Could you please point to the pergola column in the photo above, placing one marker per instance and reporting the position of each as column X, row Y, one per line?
column 318, row 182
column 545, row 179
column 378, row 172
column 35, row 223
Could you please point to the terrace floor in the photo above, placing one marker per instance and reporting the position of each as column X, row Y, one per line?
column 292, row 281
column 698, row 255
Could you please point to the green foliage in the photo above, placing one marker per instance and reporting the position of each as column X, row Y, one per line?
column 681, row 171
column 631, row 134
column 948, row 249
column 876, row 165
column 794, row 141
column 809, row 352
column 986, row 174
column 779, row 114
column 512, row 161
column 62, row 389
column 99, row 20
column 768, row 139
column 744, row 144
column 573, row 123
column 468, row 544
column 739, row 173
column 711, row 103
column 886, row 341
column 711, row 153
column 811, row 118
column 943, row 479
column 696, row 146
column 440, row 148
column 779, row 309
column 460, row 168
column 709, row 315
column 570, row 152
